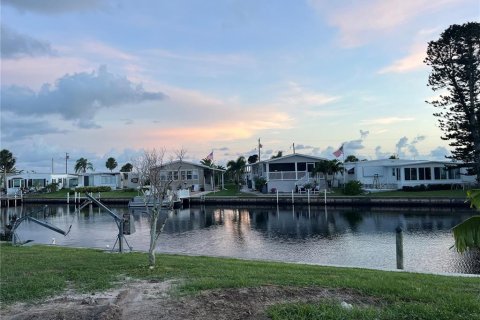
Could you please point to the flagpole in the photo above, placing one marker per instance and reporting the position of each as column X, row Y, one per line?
column 343, row 168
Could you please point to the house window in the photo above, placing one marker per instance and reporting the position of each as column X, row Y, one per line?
column 454, row 173
column 107, row 179
column 440, row 173
column 194, row 174
column 301, row 166
column 410, row 173
column 393, row 172
column 175, row 175
column 17, row 183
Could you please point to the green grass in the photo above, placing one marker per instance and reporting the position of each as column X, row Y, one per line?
column 230, row 190
column 35, row 272
column 62, row 194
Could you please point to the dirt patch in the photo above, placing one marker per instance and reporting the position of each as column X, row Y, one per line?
column 151, row 300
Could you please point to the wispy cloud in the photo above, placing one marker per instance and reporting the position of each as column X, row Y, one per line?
column 364, row 21
column 413, row 61
column 298, row 95
column 17, row 45
column 101, row 49
column 55, row 6
column 387, row 120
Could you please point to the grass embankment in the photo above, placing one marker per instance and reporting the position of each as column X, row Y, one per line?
column 230, row 190
column 30, row 273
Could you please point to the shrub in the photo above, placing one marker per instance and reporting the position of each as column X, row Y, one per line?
column 259, row 183
column 53, row 187
column 92, row 189
column 353, row 188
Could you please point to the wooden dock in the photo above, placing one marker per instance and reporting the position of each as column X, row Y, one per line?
column 10, row 201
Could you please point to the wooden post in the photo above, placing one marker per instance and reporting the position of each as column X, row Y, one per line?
column 68, row 197
column 277, row 197
column 293, row 200
column 399, row 244
column 325, row 196
column 308, row 196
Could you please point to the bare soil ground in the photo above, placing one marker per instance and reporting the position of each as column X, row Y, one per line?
column 153, row 300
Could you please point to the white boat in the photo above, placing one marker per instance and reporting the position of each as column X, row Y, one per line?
column 173, row 200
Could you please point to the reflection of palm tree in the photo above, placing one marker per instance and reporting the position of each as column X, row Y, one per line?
column 82, row 165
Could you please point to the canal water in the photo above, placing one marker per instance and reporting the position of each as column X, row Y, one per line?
column 360, row 237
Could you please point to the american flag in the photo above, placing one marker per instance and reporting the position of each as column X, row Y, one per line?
column 339, row 152
column 210, row 156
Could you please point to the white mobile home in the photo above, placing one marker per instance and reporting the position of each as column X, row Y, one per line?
column 100, row 179
column 38, row 181
column 285, row 173
column 399, row 173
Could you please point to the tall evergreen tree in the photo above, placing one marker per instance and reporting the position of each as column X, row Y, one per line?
column 455, row 62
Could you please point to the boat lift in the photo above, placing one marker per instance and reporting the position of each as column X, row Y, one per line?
column 125, row 224
column 17, row 222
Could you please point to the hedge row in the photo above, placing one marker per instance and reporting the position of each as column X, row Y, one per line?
column 430, row 187
column 92, row 189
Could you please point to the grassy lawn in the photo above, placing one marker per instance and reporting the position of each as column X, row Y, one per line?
column 62, row 194
column 36, row 272
column 231, row 190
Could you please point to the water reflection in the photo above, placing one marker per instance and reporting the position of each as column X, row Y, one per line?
column 349, row 237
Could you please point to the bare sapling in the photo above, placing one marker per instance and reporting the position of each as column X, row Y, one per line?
column 155, row 190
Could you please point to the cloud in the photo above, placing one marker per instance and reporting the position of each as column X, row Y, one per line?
column 302, row 147
column 297, row 95
column 14, row 128
column 16, row 45
column 413, row 61
column 387, row 120
column 363, row 134
column 54, row 6
column 439, row 153
column 364, row 21
column 379, row 154
column 76, row 97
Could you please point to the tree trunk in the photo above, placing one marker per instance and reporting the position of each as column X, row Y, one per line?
column 153, row 238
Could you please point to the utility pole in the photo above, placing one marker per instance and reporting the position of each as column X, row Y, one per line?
column 66, row 162
column 52, row 165
column 259, row 147
column 293, row 148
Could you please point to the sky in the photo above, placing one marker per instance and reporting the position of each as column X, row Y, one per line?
column 99, row 78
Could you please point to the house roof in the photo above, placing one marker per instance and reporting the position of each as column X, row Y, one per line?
column 290, row 156
column 193, row 164
column 398, row 162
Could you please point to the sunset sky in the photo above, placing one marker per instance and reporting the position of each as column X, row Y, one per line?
column 99, row 79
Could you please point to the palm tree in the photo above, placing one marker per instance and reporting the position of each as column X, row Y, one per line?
column 82, row 165
column 111, row 164
column 127, row 167
column 278, row 155
column 236, row 168
column 7, row 164
column 329, row 168
column 351, row 158
column 207, row 162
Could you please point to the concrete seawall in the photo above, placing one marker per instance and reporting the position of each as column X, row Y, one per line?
column 335, row 201
column 298, row 200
